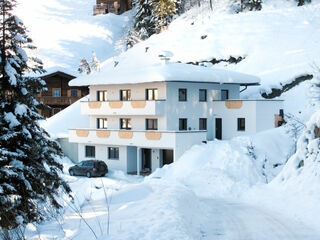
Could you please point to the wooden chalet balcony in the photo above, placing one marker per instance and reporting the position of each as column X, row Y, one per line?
column 64, row 100
column 152, row 139
column 139, row 107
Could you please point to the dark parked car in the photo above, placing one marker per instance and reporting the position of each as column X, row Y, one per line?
column 90, row 168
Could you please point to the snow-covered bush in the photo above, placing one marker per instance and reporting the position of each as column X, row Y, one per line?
column 302, row 172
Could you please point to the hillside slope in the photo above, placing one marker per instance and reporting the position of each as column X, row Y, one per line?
column 277, row 44
column 66, row 31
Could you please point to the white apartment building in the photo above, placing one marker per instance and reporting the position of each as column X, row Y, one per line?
column 145, row 118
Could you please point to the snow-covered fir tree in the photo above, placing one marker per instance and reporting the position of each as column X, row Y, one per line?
column 88, row 68
column 95, row 63
column 251, row 5
column 152, row 17
column 303, row 2
column 29, row 172
column 145, row 22
column 164, row 10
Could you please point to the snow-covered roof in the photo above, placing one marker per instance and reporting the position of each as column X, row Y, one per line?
column 57, row 125
column 159, row 72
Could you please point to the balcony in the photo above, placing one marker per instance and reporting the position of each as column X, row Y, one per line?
column 147, row 139
column 142, row 108
column 64, row 100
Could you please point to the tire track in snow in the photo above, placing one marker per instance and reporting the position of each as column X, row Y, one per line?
column 227, row 220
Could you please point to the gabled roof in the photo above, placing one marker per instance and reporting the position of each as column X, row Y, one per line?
column 63, row 74
column 164, row 72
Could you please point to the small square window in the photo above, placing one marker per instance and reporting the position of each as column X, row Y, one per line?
column 74, row 92
column 125, row 95
column 182, row 94
column 90, row 151
column 125, row 123
column 202, row 95
column 151, row 94
column 102, row 123
column 151, row 124
column 102, row 96
column 56, row 92
column 241, row 124
column 113, row 153
column 183, row 124
column 56, row 110
column 202, row 124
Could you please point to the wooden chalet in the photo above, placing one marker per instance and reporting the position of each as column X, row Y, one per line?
column 111, row 6
column 59, row 95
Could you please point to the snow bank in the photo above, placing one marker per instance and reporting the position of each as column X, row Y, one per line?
column 229, row 168
column 59, row 124
column 296, row 189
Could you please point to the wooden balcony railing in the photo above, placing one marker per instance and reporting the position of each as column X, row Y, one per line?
column 64, row 100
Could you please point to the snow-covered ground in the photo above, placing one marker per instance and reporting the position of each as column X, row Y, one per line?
column 245, row 188
column 217, row 190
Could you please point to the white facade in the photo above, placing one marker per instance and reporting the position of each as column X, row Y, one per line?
column 141, row 150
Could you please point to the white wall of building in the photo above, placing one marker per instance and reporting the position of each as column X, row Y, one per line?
column 138, row 91
column 230, row 118
column 193, row 109
column 266, row 111
column 138, row 122
column 102, row 154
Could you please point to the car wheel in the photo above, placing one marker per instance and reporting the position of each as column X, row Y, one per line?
column 71, row 173
column 88, row 174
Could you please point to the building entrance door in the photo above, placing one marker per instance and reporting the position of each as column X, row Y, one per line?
column 146, row 159
column 167, row 156
column 219, row 128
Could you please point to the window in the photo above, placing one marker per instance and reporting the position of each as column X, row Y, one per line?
column 102, row 123
column 102, row 96
column 241, row 124
column 202, row 95
column 55, row 110
column 202, row 124
column 74, row 92
column 125, row 123
column 90, row 151
column 113, row 153
column 56, row 92
column 125, row 95
column 182, row 124
column 151, row 124
column 182, row 94
column 151, row 94
column 224, row 95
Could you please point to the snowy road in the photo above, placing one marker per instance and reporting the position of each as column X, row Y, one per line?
column 235, row 221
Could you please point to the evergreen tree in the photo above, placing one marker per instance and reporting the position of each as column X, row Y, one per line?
column 29, row 173
column 164, row 10
column 247, row 5
column 251, row 5
column 152, row 17
column 303, row 2
column 145, row 23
